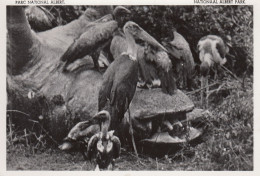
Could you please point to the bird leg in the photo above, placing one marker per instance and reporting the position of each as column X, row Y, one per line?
column 215, row 70
column 95, row 57
column 207, row 92
column 202, row 81
column 132, row 132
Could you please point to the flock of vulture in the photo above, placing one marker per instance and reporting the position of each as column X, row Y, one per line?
column 136, row 59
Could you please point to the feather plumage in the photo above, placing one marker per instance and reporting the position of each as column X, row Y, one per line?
column 212, row 52
column 90, row 41
column 179, row 48
column 153, row 64
column 103, row 146
column 40, row 19
column 214, row 46
column 119, row 84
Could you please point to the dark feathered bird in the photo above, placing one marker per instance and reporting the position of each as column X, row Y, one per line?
column 104, row 146
column 97, row 36
column 39, row 18
column 79, row 135
column 180, row 49
column 212, row 52
column 121, row 77
column 154, row 65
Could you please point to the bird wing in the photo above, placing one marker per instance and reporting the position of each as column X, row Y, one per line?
column 147, row 71
column 184, row 52
column 155, row 64
column 96, row 35
column 124, row 85
column 92, row 146
column 119, row 84
column 150, row 62
column 39, row 19
column 116, row 146
column 215, row 46
column 173, row 50
column 78, row 130
column 221, row 48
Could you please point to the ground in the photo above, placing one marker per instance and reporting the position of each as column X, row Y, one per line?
column 227, row 143
column 20, row 157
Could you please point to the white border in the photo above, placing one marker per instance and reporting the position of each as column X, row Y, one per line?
column 3, row 31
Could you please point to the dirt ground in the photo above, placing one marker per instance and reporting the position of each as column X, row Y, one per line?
column 20, row 157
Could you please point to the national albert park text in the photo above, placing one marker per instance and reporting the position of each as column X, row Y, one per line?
column 237, row 2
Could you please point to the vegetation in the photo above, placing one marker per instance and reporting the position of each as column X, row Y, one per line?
column 228, row 140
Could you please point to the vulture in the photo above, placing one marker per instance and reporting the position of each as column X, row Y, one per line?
column 78, row 137
column 212, row 52
column 155, row 67
column 39, row 18
column 104, row 146
column 180, row 50
column 121, row 77
column 97, row 37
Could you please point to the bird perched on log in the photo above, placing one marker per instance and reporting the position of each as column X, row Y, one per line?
column 39, row 18
column 121, row 77
column 212, row 52
column 104, row 146
column 98, row 35
column 180, row 49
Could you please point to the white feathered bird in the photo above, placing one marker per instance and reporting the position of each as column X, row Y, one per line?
column 212, row 52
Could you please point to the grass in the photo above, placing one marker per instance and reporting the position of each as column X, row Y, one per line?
column 227, row 143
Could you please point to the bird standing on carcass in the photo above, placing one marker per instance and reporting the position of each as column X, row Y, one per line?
column 104, row 146
column 39, row 18
column 121, row 77
column 97, row 37
column 212, row 52
column 155, row 66
column 179, row 48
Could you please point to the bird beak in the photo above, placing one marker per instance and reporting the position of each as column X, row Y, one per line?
column 94, row 119
column 150, row 40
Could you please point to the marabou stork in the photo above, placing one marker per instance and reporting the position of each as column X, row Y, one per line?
column 212, row 52
column 103, row 146
column 180, row 49
column 121, row 77
column 97, row 37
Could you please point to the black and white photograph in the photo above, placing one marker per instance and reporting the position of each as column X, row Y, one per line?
column 166, row 87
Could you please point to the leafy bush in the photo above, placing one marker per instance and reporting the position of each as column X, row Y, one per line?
column 194, row 22
column 230, row 141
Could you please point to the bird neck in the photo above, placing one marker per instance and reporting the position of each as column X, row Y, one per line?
column 105, row 127
column 131, row 46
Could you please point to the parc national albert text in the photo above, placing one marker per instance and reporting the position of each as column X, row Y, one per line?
column 42, row 2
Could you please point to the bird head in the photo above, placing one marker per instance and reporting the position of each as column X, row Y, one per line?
column 120, row 10
column 138, row 33
column 101, row 116
column 121, row 15
column 103, row 119
column 91, row 14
